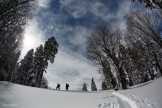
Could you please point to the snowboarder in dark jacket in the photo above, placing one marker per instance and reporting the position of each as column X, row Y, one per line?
column 67, row 86
column 58, row 87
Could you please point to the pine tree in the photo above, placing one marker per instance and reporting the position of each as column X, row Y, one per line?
column 42, row 55
column 50, row 49
column 30, row 70
column 24, row 68
column 40, row 64
column 44, row 83
column 84, row 87
column 93, row 85
column 104, row 85
column 32, row 79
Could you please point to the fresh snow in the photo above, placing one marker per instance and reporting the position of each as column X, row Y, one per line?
column 126, row 99
column 147, row 95
column 18, row 96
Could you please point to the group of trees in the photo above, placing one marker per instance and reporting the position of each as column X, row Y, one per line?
column 104, row 86
column 125, row 58
column 30, row 70
column 93, row 86
column 14, row 15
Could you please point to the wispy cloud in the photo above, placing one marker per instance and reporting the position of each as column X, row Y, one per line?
column 72, row 68
column 123, row 11
column 33, row 37
column 43, row 3
column 79, row 9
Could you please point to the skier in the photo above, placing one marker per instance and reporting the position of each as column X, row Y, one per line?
column 67, row 86
column 58, row 87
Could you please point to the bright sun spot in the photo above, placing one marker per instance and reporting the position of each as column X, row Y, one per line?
column 33, row 37
column 28, row 42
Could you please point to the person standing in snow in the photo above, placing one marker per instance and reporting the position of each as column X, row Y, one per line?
column 67, row 86
column 58, row 87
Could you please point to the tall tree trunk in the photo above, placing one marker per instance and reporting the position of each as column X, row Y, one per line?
column 157, row 64
column 123, row 79
column 130, row 82
column 113, row 82
column 40, row 79
column 108, row 72
column 121, row 74
column 8, row 69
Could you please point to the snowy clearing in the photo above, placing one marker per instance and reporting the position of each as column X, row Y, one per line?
column 18, row 96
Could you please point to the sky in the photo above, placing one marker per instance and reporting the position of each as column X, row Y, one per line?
column 71, row 22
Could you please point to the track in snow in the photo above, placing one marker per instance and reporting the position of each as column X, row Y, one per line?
column 113, row 101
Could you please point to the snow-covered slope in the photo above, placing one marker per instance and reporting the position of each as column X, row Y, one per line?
column 18, row 96
column 147, row 95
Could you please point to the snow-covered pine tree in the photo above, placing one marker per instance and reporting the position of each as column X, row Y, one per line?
column 50, row 49
column 24, row 69
column 104, row 85
column 39, row 65
column 32, row 79
column 93, row 85
column 84, row 87
column 42, row 55
column 44, row 83
column 32, row 76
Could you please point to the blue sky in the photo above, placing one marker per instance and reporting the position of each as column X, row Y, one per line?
column 71, row 22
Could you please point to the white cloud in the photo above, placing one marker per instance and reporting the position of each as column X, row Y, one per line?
column 123, row 11
column 33, row 37
column 79, row 9
column 73, row 69
column 43, row 3
column 79, row 37
column 74, row 8
column 101, row 10
column 79, row 13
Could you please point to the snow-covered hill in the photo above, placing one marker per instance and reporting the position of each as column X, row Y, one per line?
column 18, row 96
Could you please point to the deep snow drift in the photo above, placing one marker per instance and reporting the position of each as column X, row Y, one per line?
column 18, row 96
